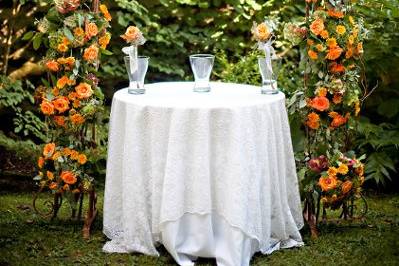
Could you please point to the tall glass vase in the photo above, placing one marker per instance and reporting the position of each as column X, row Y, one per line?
column 269, row 72
column 136, row 69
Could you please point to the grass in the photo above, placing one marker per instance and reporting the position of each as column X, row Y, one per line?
column 27, row 239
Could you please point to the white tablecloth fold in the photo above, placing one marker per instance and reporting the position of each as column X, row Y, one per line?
column 206, row 175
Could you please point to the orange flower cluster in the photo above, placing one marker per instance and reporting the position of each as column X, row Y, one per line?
column 69, row 98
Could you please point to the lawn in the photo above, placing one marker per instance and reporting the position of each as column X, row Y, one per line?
column 26, row 239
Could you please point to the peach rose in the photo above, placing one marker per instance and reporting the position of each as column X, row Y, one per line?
column 52, row 65
column 262, row 32
column 91, row 30
column 90, row 53
column 83, row 90
column 68, row 177
column 104, row 40
column 48, row 150
column 335, row 13
column 82, row 159
column 61, row 104
column 317, row 26
column 132, row 34
column 47, row 107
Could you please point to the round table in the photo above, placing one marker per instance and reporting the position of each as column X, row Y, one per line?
column 204, row 174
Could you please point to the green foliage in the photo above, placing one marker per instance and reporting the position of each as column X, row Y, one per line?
column 13, row 96
column 22, row 148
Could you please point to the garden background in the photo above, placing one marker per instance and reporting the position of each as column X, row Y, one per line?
column 174, row 30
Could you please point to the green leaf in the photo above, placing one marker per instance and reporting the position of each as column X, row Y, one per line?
column 106, row 52
column 37, row 41
column 28, row 35
column 68, row 34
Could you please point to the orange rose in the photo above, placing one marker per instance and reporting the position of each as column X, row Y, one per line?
column 40, row 162
column 337, row 99
column 91, row 30
column 76, row 103
column 68, row 177
column 335, row 13
column 310, row 42
column 74, row 155
column 65, row 41
column 313, row 120
column 48, row 150
column 50, row 175
column 66, row 151
column 65, row 187
column 338, row 120
column 104, row 40
column 313, row 55
column 90, row 53
column 72, row 96
column 83, row 90
column 77, row 119
column 346, row 186
column 53, row 186
column 324, row 34
column 61, row 104
column 327, row 183
column 337, row 68
column 59, row 120
column 47, row 107
column 334, row 53
column 56, row 155
column 82, row 159
column 320, row 103
column 132, row 34
column 105, row 12
column 78, row 32
column 55, row 91
column 349, row 53
column 52, row 65
column 64, row 80
column 317, row 26
column 70, row 61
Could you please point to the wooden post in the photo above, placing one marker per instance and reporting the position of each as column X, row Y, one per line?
column 90, row 215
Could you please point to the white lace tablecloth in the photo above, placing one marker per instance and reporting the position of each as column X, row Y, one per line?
column 206, row 175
